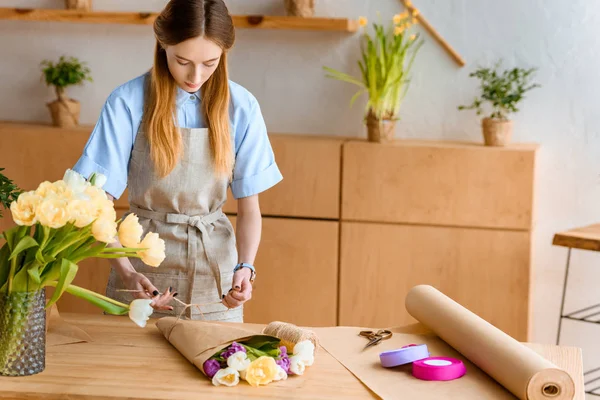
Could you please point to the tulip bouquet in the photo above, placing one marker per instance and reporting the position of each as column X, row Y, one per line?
column 59, row 225
column 259, row 361
column 227, row 353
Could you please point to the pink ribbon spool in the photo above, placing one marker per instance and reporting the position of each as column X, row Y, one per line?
column 438, row 369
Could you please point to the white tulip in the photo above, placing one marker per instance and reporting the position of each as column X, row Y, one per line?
column 306, row 351
column 226, row 376
column 297, row 367
column 100, row 180
column 75, row 181
column 238, row 361
column 140, row 311
column 281, row 374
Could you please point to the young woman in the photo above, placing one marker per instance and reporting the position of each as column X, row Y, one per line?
column 177, row 138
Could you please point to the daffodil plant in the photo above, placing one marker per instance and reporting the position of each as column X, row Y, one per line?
column 387, row 58
column 59, row 225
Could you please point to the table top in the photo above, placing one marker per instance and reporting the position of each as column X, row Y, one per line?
column 125, row 361
column 584, row 238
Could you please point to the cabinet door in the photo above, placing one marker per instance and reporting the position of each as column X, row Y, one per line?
column 297, row 273
column 439, row 183
column 487, row 271
column 310, row 166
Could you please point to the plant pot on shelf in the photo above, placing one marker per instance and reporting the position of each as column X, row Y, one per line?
column 300, row 8
column 65, row 112
column 82, row 5
column 496, row 132
column 380, row 130
column 22, row 333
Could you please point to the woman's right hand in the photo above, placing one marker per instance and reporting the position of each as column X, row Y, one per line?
column 144, row 289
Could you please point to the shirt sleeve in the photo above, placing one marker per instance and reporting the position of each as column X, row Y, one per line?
column 108, row 149
column 255, row 169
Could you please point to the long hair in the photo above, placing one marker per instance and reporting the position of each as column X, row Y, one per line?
column 179, row 21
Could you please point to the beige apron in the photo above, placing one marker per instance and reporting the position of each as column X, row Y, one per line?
column 184, row 208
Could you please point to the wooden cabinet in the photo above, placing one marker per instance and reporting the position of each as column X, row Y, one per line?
column 297, row 273
column 487, row 271
column 435, row 183
column 354, row 225
column 311, row 178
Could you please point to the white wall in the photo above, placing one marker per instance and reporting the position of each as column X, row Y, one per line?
column 561, row 38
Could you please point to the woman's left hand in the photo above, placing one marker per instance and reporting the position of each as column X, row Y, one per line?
column 241, row 290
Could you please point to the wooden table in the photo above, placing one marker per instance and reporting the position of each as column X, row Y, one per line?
column 584, row 238
column 125, row 361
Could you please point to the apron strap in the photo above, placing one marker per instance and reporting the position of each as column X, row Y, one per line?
column 195, row 224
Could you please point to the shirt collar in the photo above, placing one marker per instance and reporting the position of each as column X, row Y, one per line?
column 183, row 96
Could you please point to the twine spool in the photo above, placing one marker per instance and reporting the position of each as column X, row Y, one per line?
column 290, row 334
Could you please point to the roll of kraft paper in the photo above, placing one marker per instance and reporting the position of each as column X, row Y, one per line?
column 519, row 369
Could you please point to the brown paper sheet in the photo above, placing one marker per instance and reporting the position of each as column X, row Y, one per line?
column 200, row 340
column 496, row 363
column 344, row 344
column 60, row 332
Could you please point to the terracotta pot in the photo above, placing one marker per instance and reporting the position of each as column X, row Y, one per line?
column 65, row 112
column 82, row 5
column 300, row 8
column 380, row 130
column 496, row 132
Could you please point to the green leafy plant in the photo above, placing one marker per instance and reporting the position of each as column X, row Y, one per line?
column 386, row 61
column 8, row 191
column 502, row 89
column 66, row 72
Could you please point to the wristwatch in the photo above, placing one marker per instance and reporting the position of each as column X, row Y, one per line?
column 250, row 267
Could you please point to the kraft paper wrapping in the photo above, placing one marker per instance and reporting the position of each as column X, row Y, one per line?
column 59, row 332
column 519, row 369
column 496, row 364
column 198, row 340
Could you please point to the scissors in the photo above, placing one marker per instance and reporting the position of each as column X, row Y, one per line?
column 375, row 337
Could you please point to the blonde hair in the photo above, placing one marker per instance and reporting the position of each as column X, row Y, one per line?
column 179, row 21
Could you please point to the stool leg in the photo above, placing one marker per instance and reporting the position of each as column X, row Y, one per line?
column 564, row 292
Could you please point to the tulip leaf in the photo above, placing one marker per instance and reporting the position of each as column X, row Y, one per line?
column 68, row 270
column 25, row 243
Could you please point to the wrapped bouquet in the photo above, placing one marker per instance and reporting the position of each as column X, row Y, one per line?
column 227, row 354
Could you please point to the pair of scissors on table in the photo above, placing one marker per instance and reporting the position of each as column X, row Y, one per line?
column 375, row 337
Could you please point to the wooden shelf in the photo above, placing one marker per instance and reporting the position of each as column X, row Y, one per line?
column 141, row 18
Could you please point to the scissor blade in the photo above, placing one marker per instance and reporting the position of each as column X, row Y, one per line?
column 373, row 342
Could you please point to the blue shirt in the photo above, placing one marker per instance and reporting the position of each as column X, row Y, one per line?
column 108, row 149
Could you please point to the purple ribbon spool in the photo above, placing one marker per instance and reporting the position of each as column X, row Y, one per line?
column 405, row 355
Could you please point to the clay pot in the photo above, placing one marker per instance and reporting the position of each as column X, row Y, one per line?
column 380, row 130
column 82, row 5
column 300, row 8
column 65, row 112
column 496, row 132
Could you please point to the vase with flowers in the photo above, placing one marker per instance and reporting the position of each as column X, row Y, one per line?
column 58, row 225
column 385, row 64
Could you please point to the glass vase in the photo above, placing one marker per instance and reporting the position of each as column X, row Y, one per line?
column 22, row 333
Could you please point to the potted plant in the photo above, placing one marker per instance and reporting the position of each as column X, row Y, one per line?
column 82, row 5
column 58, row 225
column 64, row 73
column 300, row 8
column 385, row 65
column 503, row 90
column 8, row 191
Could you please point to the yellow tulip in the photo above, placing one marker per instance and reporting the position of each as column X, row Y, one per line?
column 398, row 30
column 413, row 37
column 24, row 209
column 53, row 212
column 155, row 250
column 261, row 371
column 82, row 212
column 362, row 21
column 130, row 231
column 104, row 230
